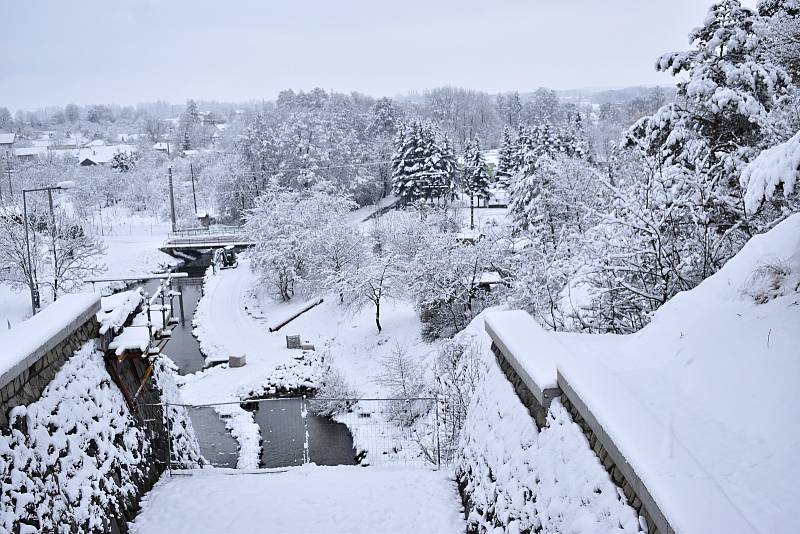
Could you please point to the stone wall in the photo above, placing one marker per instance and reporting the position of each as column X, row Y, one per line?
column 620, row 471
column 24, row 382
column 36, row 366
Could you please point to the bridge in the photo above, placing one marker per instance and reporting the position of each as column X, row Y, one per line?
column 191, row 243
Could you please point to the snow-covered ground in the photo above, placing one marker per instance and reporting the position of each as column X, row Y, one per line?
column 304, row 500
column 15, row 306
column 234, row 316
column 703, row 401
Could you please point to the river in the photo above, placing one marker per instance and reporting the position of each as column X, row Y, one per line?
column 283, row 429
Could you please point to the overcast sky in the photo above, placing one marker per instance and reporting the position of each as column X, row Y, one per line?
column 128, row 51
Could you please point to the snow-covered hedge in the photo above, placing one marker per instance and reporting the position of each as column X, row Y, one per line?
column 519, row 479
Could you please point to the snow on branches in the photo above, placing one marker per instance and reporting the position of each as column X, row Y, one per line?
column 774, row 168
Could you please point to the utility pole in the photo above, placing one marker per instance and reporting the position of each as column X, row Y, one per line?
column 31, row 282
column 53, row 235
column 172, row 201
column 194, row 194
column 8, row 174
column 472, row 212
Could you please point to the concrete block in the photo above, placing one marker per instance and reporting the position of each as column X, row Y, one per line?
column 237, row 361
column 307, row 346
column 293, row 342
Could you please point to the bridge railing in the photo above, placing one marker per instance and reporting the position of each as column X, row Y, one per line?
column 203, row 231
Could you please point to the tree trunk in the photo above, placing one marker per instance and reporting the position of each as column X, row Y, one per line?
column 378, row 315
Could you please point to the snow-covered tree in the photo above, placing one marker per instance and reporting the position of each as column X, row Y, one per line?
column 721, row 118
column 475, row 183
column 423, row 165
column 775, row 169
column 302, row 239
column 505, row 164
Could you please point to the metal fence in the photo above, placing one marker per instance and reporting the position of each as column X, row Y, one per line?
column 324, row 431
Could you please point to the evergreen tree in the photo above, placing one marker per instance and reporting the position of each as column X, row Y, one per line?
column 505, row 164
column 722, row 117
column 476, row 178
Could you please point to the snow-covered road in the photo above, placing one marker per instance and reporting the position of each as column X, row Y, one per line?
column 305, row 500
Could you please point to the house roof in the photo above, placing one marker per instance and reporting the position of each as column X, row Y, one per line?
column 103, row 154
column 7, row 138
column 30, row 151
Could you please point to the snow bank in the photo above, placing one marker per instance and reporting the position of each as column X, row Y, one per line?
column 702, row 402
column 72, row 456
column 185, row 447
column 304, row 500
column 34, row 336
column 521, row 480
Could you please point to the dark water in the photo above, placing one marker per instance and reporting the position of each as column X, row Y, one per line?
column 282, row 427
column 283, row 435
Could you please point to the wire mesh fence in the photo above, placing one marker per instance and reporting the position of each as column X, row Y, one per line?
column 297, row 430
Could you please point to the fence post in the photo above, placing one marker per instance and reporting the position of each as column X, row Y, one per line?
column 304, row 414
column 168, row 428
column 438, row 443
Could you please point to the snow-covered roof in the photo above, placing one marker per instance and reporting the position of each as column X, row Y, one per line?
column 96, row 142
column 7, row 138
column 30, row 151
column 103, row 154
column 161, row 145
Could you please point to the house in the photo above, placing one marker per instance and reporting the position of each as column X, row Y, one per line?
column 30, row 152
column 7, row 140
column 102, row 154
column 161, row 146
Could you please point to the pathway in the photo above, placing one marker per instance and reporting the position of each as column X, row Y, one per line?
column 305, row 500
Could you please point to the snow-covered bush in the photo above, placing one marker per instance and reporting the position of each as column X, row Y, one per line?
column 404, row 378
column 458, row 370
column 335, row 386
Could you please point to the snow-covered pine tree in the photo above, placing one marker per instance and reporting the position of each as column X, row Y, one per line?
column 476, row 178
column 505, row 163
column 444, row 167
column 720, row 120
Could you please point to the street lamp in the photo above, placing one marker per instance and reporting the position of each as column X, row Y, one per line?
column 35, row 303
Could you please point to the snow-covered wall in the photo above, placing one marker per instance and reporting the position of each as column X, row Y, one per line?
column 76, row 453
column 33, row 351
column 517, row 477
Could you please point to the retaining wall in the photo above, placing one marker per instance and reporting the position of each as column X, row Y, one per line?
column 32, row 363
column 620, row 471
